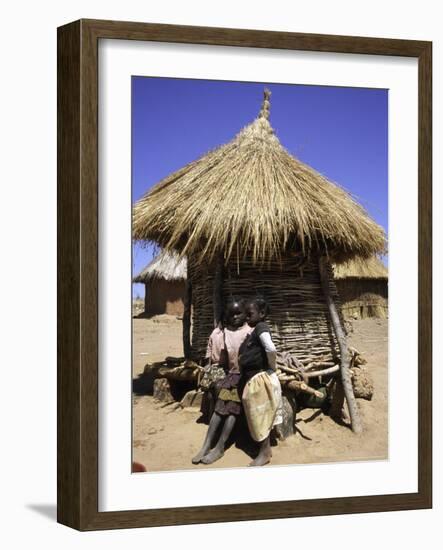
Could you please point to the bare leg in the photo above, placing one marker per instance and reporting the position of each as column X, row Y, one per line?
column 265, row 453
column 219, row 450
column 212, row 428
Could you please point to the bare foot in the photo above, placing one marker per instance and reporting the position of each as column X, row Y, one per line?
column 198, row 457
column 261, row 460
column 212, row 456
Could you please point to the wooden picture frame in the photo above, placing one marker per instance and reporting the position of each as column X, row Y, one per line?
column 78, row 273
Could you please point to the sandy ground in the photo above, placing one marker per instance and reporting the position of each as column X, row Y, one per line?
column 165, row 438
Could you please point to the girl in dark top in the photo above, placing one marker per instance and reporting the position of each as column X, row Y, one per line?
column 260, row 385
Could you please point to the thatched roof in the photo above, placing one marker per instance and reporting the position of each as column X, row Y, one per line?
column 360, row 268
column 165, row 266
column 253, row 195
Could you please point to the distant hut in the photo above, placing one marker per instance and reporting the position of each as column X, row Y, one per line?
column 252, row 219
column 164, row 279
column 362, row 286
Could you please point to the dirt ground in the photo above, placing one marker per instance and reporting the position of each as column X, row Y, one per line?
column 165, row 438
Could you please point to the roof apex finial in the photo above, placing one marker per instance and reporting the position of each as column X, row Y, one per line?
column 266, row 105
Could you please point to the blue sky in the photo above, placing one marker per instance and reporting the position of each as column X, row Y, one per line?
column 341, row 132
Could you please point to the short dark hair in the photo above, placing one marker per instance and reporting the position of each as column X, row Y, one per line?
column 235, row 300
column 260, row 303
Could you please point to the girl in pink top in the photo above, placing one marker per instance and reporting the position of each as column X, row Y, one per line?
column 223, row 347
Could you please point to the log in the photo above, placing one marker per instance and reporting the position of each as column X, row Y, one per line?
column 354, row 412
column 192, row 398
column 179, row 373
column 187, row 319
column 322, row 372
column 296, row 385
column 185, row 373
column 162, row 390
column 175, row 361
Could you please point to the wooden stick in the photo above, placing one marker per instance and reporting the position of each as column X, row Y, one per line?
column 319, row 365
column 187, row 319
column 217, row 296
column 344, row 354
column 286, row 378
column 147, row 296
column 323, row 372
column 290, row 370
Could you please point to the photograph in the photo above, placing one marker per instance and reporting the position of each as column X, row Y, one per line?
column 259, row 274
column 244, row 274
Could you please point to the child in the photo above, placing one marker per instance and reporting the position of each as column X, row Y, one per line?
column 261, row 396
column 223, row 347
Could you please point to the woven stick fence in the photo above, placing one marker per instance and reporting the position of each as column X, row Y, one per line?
column 298, row 315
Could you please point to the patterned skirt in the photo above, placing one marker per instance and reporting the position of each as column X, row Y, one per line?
column 262, row 403
column 228, row 401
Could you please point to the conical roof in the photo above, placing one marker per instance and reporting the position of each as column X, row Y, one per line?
column 252, row 196
column 361, row 268
column 166, row 265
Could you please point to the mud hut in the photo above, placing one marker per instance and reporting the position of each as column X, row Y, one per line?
column 251, row 218
column 164, row 279
column 362, row 287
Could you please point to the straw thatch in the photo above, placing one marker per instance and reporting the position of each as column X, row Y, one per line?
column 361, row 268
column 363, row 288
column 166, row 265
column 253, row 195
